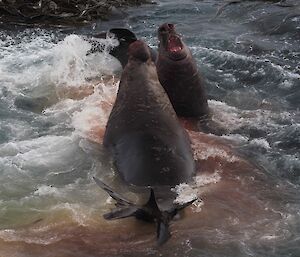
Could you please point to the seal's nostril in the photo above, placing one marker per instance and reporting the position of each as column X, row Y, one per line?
column 171, row 26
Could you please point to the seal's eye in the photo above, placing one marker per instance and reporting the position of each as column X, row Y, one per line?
column 171, row 26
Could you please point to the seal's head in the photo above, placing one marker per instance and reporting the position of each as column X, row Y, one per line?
column 124, row 36
column 170, row 42
column 139, row 50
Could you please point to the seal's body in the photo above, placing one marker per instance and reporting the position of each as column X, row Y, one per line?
column 149, row 146
column 178, row 73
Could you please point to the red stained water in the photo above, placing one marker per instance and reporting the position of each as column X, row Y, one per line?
column 229, row 206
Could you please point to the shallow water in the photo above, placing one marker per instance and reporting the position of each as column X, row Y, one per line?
column 248, row 179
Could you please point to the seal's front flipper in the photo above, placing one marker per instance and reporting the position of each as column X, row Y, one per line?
column 121, row 213
column 125, row 208
column 121, row 201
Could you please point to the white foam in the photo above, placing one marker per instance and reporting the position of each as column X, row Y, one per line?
column 24, row 62
column 232, row 118
column 206, row 179
column 286, row 84
column 188, row 192
column 95, row 109
column 236, row 138
column 79, row 213
column 261, row 142
column 38, row 155
column 72, row 66
column 202, row 151
column 46, row 190
column 227, row 116
column 185, row 193
column 18, row 129
column 40, row 62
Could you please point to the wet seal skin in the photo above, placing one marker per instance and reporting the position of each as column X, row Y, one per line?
column 150, row 148
column 178, row 73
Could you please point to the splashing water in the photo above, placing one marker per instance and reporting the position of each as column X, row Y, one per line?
column 54, row 98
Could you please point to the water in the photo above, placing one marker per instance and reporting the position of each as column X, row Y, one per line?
column 55, row 101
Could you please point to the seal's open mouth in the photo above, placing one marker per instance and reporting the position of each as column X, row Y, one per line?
column 174, row 44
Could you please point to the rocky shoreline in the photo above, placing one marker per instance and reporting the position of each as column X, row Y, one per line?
column 61, row 12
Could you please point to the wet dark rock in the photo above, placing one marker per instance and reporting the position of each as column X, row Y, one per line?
column 60, row 12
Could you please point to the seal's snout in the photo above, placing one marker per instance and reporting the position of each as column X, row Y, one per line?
column 171, row 26
column 170, row 42
column 139, row 50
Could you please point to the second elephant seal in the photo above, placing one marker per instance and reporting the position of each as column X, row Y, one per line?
column 178, row 73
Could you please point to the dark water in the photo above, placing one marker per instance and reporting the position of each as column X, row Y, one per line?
column 249, row 180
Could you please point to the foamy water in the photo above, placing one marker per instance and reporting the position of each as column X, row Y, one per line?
column 247, row 181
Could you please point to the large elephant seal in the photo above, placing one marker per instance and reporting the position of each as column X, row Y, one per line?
column 177, row 70
column 149, row 146
column 125, row 37
column 178, row 73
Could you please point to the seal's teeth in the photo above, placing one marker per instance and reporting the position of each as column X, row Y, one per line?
column 174, row 44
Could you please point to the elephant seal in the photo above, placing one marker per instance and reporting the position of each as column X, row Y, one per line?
column 178, row 73
column 125, row 37
column 150, row 148
column 177, row 70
